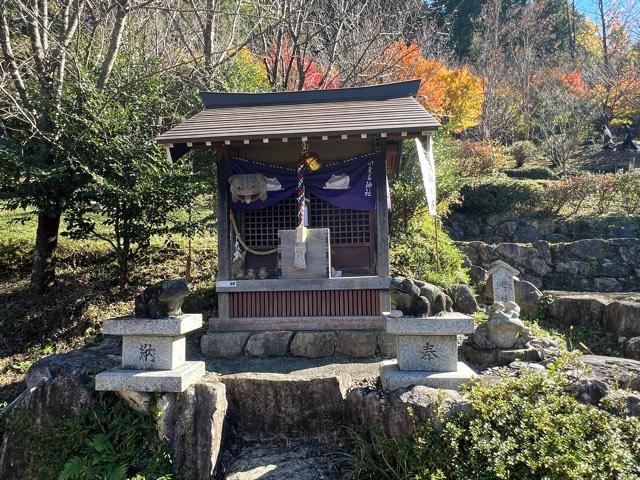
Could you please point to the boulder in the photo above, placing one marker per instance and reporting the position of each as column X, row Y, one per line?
column 589, row 390
column 314, row 344
column 357, row 343
column 622, row 402
column 387, row 344
column 223, row 344
column 524, row 257
column 632, row 348
column 192, row 422
column 464, row 301
column 408, row 407
column 268, row 344
column 576, row 309
column 478, row 275
column 527, row 296
column 65, row 397
column 299, row 460
column 401, row 410
column 612, row 371
column 83, row 361
column 507, row 229
column 622, row 318
column 286, row 405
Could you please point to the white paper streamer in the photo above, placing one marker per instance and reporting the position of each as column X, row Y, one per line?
column 428, row 169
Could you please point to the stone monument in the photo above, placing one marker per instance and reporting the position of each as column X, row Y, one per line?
column 154, row 343
column 427, row 352
column 502, row 277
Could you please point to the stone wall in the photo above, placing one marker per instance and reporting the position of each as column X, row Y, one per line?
column 308, row 344
column 585, row 265
column 507, row 227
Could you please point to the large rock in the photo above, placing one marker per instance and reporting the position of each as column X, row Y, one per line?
column 357, row 343
column 83, row 361
column 401, row 410
column 387, row 344
column 223, row 344
column 622, row 318
column 464, row 301
column 622, row 402
column 268, row 344
column 615, row 372
column 192, row 421
column 298, row 460
column 525, row 257
column 285, row 405
column 632, row 348
column 314, row 344
column 527, row 296
column 576, row 309
column 479, row 275
column 64, row 397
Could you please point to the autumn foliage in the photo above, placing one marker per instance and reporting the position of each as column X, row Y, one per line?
column 453, row 94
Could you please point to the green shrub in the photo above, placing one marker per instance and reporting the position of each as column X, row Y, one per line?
column 525, row 428
column 500, row 194
column 523, row 152
column 413, row 253
column 108, row 442
column 533, row 173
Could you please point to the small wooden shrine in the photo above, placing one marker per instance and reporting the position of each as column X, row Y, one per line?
column 303, row 201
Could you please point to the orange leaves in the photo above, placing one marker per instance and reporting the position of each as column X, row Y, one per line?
column 574, row 81
column 453, row 94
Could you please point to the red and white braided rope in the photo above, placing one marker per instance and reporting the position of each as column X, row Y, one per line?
column 300, row 190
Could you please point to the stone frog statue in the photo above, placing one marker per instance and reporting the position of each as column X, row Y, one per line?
column 248, row 187
column 164, row 299
column 417, row 298
column 504, row 329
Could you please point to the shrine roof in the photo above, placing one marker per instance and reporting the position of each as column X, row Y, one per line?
column 385, row 110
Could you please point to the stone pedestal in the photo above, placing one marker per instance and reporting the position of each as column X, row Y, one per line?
column 427, row 352
column 153, row 355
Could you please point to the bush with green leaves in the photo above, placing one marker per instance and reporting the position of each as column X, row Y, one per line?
column 533, row 173
column 424, row 251
column 523, row 152
column 500, row 194
column 108, row 442
column 521, row 428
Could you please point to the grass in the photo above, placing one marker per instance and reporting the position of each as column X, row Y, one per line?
column 70, row 315
column 590, row 338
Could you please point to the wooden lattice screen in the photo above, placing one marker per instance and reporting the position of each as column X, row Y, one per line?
column 348, row 227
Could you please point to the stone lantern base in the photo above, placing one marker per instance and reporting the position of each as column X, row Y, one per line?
column 153, row 355
column 392, row 377
column 427, row 352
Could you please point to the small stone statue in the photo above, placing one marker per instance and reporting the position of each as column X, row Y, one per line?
column 164, row 299
column 503, row 329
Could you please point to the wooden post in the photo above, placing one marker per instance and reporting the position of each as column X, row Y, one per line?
column 224, row 236
column 382, row 225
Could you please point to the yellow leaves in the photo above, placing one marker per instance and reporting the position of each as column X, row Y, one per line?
column 453, row 94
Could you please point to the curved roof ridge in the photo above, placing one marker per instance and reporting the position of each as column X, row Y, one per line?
column 408, row 88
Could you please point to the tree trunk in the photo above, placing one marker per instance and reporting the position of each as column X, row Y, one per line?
column 123, row 269
column 43, row 268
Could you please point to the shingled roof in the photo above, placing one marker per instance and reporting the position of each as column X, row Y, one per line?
column 245, row 117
